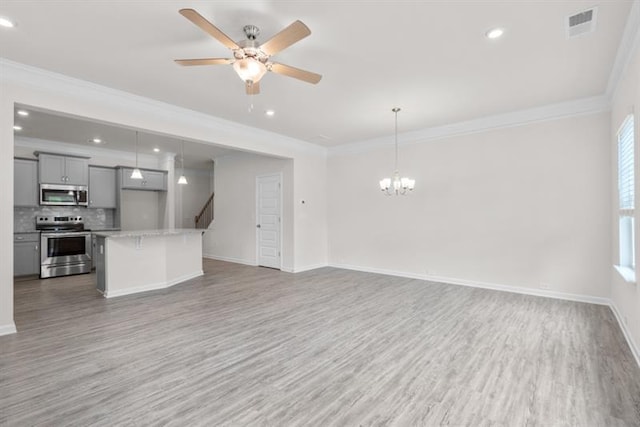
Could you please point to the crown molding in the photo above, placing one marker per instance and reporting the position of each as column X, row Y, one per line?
column 629, row 42
column 224, row 132
column 580, row 107
column 38, row 144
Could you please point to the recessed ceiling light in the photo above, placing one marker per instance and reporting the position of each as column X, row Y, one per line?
column 270, row 113
column 156, row 150
column 96, row 141
column 23, row 113
column 494, row 33
column 5, row 22
column 16, row 127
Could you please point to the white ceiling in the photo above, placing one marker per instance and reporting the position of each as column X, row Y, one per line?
column 430, row 58
column 48, row 126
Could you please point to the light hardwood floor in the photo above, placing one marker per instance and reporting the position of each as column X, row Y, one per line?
column 253, row 346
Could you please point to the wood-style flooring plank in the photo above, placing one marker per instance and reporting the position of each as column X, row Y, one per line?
column 253, row 346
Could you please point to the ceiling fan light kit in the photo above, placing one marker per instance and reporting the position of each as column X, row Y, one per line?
column 250, row 70
column 251, row 60
column 397, row 186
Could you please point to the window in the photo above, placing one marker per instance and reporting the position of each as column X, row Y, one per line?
column 626, row 193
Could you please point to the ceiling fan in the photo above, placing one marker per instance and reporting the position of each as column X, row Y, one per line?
column 251, row 60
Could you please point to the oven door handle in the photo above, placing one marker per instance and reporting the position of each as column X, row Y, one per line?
column 69, row 234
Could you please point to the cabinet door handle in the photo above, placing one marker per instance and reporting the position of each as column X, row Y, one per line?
column 36, row 247
column 19, row 238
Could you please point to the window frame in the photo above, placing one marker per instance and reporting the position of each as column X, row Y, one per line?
column 627, row 249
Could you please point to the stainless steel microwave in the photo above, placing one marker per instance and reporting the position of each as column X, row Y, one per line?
column 63, row 195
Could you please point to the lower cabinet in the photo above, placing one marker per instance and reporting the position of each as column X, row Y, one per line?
column 26, row 254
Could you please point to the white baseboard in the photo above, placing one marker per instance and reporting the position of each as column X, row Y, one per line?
column 484, row 285
column 152, row 287
column 8, row 329
column 230, row 259
column 308, row 267
column 635, row 350
column 184, row 278
column 284, row 268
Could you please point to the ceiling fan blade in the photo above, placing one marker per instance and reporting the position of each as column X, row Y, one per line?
column 252, row 88
column 285, row 38
column 209, row 28
column 204, row 61
column 296, row 73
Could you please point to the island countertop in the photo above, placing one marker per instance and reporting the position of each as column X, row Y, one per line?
column 148, row 233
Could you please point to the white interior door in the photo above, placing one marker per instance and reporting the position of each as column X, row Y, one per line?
column 268, row 215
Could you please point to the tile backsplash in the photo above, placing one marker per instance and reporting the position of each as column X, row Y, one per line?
column 24, row 219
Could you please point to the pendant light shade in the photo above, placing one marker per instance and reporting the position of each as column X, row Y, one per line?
column 136, row 174
column 182, row 179
column 397, row 186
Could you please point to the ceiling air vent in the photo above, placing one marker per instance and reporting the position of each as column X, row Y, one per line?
column 581, row 23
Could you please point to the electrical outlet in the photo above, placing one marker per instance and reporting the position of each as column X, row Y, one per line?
column 544, row 285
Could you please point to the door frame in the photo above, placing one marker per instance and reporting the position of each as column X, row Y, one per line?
column 257, row 214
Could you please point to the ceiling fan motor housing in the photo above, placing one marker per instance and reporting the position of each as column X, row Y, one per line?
column 251, row 31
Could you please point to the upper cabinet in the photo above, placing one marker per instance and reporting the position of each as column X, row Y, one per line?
column 152, row 180
column 55, row 169
column 102, row 187
column 25, row 179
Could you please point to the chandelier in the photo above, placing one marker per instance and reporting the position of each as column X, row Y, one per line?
column 396, row 186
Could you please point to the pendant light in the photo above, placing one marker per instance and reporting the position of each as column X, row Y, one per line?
column 136, row 174
column 396, row 186
column 182, row 179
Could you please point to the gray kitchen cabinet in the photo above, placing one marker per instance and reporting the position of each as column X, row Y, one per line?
column 25, row 182
column 56, row 169
column 152, row 180
column 26, row 254
column 102, row 187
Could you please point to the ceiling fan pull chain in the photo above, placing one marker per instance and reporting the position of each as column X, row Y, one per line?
column 250, row 98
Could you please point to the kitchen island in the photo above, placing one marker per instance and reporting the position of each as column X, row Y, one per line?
column 129, row 262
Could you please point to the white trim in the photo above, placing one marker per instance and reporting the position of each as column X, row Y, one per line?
column 153, row 286
column 628, row 274
column 280, row 215
column 8, row 329
column 230, row 259
column 629, row 41
column 576, row 108
column 65, row 147
column 484, row 285
column 635, row 350
column 308, row 267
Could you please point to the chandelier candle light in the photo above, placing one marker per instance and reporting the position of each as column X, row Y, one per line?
column 396, row 186
column 136, row 174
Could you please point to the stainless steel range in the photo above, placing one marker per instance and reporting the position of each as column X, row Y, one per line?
column 65, row 246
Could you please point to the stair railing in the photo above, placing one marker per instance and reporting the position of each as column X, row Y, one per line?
column 204, row 218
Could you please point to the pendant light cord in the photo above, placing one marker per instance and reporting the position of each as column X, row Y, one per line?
column 182, row 157
column 395, row 110
column 136, row 149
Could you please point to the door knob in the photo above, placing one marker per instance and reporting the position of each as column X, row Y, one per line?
column 258, row 226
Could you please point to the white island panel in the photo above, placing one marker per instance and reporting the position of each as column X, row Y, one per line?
column 138, row 261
